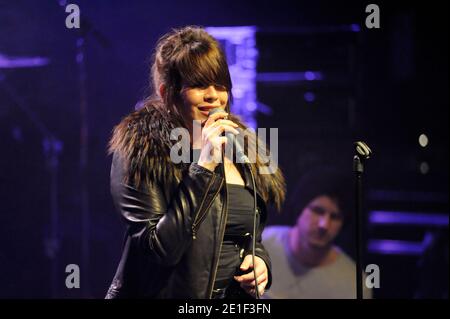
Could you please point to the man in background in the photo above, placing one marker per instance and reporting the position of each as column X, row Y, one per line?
column 306, row 263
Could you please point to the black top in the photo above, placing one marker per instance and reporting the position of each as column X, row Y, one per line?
column 239, row 223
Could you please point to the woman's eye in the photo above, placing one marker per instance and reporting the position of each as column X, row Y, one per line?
column 220, row 87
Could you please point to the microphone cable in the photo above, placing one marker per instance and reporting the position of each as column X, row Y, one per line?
column 255, row 221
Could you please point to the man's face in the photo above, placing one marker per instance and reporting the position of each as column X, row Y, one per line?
column 319, row 223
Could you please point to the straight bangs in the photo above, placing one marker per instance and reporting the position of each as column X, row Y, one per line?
column 202, row 65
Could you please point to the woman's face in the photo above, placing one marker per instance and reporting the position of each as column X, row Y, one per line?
column 200, row 100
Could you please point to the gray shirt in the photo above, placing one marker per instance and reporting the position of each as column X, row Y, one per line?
column 292, row 280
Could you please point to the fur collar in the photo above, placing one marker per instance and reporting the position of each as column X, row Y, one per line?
column 143, row 140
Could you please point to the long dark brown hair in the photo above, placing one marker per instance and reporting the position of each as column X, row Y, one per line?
column 191, row 57
column 188, row 57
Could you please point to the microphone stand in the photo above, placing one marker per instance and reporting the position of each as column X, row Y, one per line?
column 363, row 152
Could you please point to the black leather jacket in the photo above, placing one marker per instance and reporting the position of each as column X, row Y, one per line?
column 161, row 258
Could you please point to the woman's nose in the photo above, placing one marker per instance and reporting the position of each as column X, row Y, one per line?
column 210, row 94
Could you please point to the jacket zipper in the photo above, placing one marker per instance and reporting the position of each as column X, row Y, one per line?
column 222, row 229
column 203, row 212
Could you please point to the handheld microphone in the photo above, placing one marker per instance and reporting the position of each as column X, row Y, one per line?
column 242, row 158
column 240, row 155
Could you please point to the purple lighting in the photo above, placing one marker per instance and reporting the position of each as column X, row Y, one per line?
column 395, row 247
column 309, row 96
column 8, row 62
column 242, row 54
column 408, row 218
column 400, row 247
column 310, row 76
column 355, row 28
column 251, row 106
column 289, row 76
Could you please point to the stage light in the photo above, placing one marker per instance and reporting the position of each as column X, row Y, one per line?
column 310, row 76
column 423, row 140
column 309, row 96
column 424, row 168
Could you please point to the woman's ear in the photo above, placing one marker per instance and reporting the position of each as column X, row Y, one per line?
column 162, row 90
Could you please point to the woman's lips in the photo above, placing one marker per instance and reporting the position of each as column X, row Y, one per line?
column 205, row 110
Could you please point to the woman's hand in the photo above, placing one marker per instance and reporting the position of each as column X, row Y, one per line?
column 212, row 139
column 247, row 281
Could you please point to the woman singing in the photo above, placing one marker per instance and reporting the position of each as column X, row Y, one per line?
column 189, row 225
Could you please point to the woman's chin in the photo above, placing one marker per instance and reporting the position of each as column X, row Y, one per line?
column 199, row 116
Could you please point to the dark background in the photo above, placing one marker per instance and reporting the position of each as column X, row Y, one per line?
column 384, row 86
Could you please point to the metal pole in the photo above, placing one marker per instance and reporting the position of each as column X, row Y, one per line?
column 363, row 152
column 358, row 169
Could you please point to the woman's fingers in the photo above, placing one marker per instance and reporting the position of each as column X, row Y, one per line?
column 261, row 279
column 218, row 130
column 217, row 141
column 252, row 291
column 251, row 283
column 250, row 276
column 247, row 281
column 261, row 289
column 224, row 122
column 212, row 118
column 212, row 139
